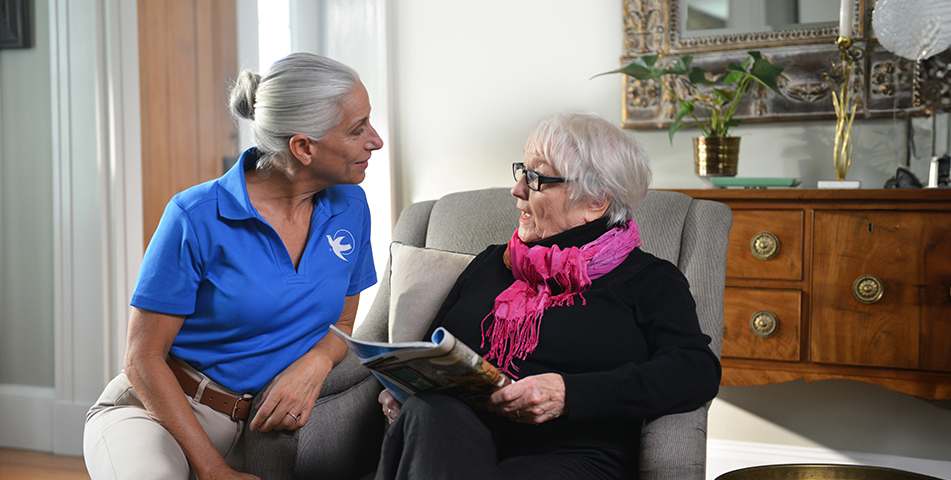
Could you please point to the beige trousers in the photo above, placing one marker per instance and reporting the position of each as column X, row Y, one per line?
column 121, row 441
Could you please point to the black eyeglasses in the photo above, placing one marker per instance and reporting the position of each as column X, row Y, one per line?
column 533, row 179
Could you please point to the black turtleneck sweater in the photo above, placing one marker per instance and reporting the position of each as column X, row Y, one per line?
column 633, row 351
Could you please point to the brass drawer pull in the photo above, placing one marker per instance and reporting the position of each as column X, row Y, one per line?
column 764, row 245
column 764, row 323
column 868, row 289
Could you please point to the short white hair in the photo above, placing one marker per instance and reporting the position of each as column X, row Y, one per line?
column 601, row 161
column 299, row 94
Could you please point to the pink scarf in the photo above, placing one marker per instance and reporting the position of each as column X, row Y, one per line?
column 519, row 308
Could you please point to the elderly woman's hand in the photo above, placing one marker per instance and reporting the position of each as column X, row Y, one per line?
column 391, row 408
column 536, row 399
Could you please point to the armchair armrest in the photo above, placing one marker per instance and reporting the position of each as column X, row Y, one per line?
column 674, row 447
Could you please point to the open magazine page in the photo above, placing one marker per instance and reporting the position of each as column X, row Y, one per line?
column 444, row 364
column 368, row 351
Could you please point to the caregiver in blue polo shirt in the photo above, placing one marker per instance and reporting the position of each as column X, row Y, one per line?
column 241, row 282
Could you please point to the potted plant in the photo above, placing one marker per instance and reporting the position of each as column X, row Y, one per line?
column 710, row 100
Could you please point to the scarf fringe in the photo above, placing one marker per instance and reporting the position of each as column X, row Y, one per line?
column 518, row 309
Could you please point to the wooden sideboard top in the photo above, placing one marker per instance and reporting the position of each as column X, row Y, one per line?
column 866, row 194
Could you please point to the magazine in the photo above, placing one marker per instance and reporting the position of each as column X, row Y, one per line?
column 443, row 364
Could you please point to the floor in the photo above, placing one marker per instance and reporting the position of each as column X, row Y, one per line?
column 30, row 465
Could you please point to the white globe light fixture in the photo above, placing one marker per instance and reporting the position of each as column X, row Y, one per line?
column 913, row 29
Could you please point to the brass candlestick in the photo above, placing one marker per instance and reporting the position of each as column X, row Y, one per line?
column 842, row 153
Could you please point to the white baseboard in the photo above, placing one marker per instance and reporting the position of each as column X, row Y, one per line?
column 727, row 455
column 32, row 419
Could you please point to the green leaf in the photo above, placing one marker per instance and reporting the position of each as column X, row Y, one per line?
column 727, row 125
column 672, row 130
column 734, row 76
column 641, row 68
column 735, row 68
column 697, row 75
column 685, row 109
column 725, row 96
column 766, row 74
column 649, row 60
column 681, row 66
column 742, row 68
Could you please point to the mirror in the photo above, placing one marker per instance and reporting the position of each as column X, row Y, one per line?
column 719, row 17
column 885, row 85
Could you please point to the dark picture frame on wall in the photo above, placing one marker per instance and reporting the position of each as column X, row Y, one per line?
column 14, row 24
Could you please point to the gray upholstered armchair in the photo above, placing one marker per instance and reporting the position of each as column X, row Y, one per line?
column 342, row 438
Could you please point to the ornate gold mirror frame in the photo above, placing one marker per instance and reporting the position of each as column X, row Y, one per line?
column 886, row 85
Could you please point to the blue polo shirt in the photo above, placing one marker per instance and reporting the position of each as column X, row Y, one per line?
column 248, row 313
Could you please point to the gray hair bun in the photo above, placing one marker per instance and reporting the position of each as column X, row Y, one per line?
column 244, row 94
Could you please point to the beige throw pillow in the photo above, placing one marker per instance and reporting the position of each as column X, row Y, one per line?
column 420, row 280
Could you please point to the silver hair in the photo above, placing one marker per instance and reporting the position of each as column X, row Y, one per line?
column 299, row 94
column 603, row 161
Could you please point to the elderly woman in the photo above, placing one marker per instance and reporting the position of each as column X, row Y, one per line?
column 599, row 334
column 241, row 282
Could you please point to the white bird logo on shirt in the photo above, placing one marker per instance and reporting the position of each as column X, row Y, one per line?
column 338, row 247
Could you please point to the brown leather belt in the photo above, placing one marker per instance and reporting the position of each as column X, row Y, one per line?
column 233, row 406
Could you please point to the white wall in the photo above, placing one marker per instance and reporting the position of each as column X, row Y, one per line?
column 472, row 78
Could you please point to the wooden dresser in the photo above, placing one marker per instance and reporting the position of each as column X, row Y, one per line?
column 852, row 284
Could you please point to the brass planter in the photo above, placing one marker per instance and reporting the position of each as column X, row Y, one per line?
column 821, row 472
column 716, row 156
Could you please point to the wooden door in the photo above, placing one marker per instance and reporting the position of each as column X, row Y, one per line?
column 187, row 62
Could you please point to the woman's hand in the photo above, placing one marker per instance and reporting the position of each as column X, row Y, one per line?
column 391, row 408
column 535, row 400
column 289, row 398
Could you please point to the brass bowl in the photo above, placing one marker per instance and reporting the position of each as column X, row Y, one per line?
column 821, row 472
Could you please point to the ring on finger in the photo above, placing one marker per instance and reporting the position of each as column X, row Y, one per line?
column 518, row 414
column 295, row 417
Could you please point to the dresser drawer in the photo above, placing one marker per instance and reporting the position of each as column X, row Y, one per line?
column 761, row 323
column 766, row 244
column 881, row 289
